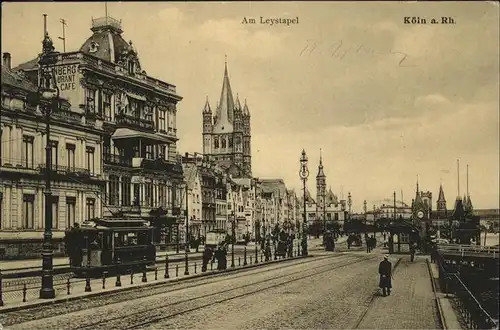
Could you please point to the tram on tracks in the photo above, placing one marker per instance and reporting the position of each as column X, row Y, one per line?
column 110, row 245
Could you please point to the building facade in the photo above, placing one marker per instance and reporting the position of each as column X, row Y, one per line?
column 77, row 171
column 105, row 83
column 227, row 133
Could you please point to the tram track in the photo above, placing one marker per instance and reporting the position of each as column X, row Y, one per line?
column 41, row 312
column 369, row 301
column 146, row 317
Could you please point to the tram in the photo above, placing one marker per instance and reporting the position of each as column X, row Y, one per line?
column 110, row 245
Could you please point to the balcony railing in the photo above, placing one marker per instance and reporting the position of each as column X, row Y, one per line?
column 67, row 116
column 161, row 165
column 66, row 170
column 117, row 160
column 134, row 122
column 17, row 163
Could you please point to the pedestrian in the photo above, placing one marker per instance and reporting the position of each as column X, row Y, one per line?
column 413, row 248
column 385, row 272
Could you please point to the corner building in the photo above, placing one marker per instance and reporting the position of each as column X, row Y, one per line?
column 76, row 172
column 105, row 82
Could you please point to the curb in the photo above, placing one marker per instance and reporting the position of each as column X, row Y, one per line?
column 172, row 281
column 62, row 269
column 439, row 308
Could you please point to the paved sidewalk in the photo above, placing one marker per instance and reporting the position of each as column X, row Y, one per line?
column 9, row 265
column 14, row 299
column 411, row 304
column 61, row 262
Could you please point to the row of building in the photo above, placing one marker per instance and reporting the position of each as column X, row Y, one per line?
column 113, row 141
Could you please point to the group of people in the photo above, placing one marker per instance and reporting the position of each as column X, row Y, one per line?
column 211, row 254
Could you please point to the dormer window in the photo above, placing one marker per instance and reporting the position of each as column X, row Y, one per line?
column 131, row 67
column 94, row 47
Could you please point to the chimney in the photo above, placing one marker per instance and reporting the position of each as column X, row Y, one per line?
column 7, row 60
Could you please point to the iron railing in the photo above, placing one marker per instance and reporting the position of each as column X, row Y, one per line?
column 471, row 310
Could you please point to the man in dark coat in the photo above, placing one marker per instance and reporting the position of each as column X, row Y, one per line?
column 385, row 272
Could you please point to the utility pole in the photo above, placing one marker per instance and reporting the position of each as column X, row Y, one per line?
column 63, row 38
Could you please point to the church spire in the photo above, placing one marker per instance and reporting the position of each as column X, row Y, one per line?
column 225, row 110
column 321, row 173
column 207, row 108
column 441, row 194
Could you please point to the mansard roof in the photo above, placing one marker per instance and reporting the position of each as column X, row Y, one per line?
column 16, row 80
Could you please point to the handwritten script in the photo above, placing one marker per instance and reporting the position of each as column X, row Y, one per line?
column 340, row 50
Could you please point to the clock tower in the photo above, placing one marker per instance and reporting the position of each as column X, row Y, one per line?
column 420, row 213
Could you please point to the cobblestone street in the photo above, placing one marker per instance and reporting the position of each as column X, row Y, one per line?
column 327, row 291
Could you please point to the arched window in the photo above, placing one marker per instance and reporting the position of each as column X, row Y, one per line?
column 238, row 140
column 230, row 142
column 223, row 143
column 216, row 142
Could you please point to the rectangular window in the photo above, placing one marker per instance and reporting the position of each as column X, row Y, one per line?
column 148, row 194
column 27, row 151
column 70, row 211
column 70, row 156
column 90, row 208
column 163, row 152
column 54, row 156
column 90, row 155
column 114, row 194
column 106, row 105
column 137, row 194
column 162, row 193
column 149, row 152
column 336, row 216
column 55, row 212
column 90, row 101
column 161, row 120
column 126, row 188
column 28, row 211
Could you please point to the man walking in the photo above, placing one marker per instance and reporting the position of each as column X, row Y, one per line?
column 385, row 272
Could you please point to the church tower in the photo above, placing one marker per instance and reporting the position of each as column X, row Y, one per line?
column 207, row 128
column 320, row 189
column 227, row 138
column 441, row 204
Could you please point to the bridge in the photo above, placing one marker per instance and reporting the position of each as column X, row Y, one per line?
column 468, row 251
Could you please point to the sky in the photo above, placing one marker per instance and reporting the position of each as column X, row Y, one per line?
column 385, row 101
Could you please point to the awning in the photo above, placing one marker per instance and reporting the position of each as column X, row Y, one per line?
column 127, row 133
column 137, row 97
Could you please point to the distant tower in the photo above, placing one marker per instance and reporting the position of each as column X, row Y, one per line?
column 207, row 128
column 441, row 204
column 320, row 189
column 227, row 137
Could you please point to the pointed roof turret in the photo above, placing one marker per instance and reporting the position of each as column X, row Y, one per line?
column 225, row 110
column 237, row 106
column 321, row 174
column 246, row 112
column 207, row 108
column 441, row 194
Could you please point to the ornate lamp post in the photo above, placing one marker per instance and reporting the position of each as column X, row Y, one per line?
column 48, row 93
column 186, row 245
column 304, row 174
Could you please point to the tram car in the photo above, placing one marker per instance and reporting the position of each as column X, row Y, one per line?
column 113, row 246
column 282, row 244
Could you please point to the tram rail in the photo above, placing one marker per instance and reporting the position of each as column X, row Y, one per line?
column 143, row 318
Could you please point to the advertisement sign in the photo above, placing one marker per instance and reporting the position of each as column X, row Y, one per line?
column 68, row 81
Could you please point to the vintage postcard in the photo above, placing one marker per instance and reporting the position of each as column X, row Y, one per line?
column 249, row 165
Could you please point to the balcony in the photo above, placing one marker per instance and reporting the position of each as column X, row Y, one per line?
column 140, row 124
column 67, row 116
column 66, row 170
column 118, row 160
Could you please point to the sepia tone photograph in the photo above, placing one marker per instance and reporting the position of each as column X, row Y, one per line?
column 250, row 165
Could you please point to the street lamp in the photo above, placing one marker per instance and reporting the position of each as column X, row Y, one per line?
column 186, row 245
column 304, row 174
column 233, row 233
column 48, row 93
